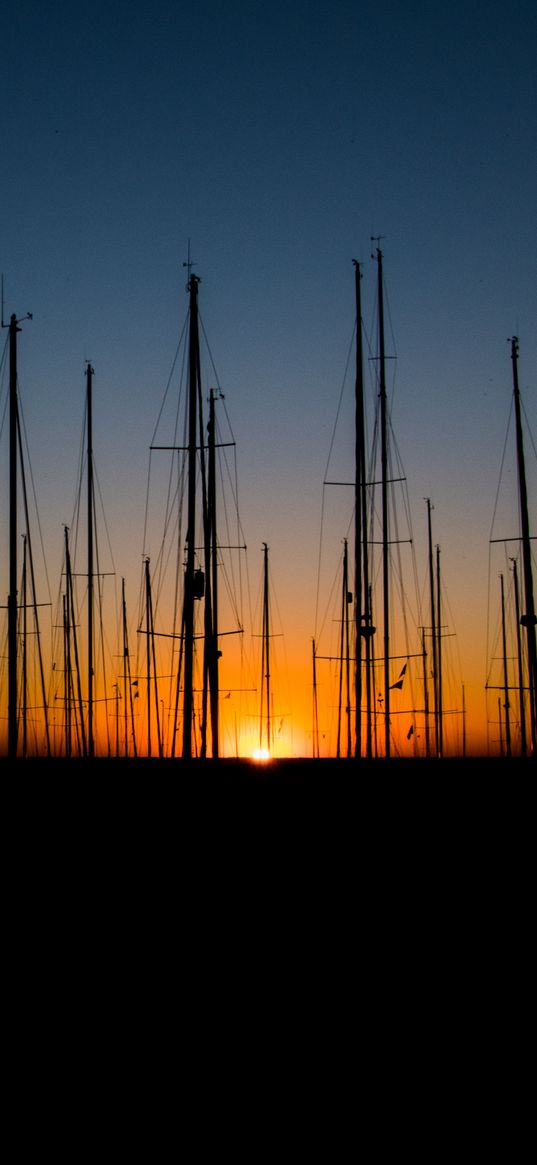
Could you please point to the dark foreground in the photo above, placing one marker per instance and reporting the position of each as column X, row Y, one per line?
column 243, row 773
column 165, row 794
column 163, row 809
column 229, row 856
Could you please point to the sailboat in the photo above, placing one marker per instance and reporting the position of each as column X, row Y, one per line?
column 383, row 647
column 83, row 692
column 190, row 612
column 18, row 631
column 517, row 632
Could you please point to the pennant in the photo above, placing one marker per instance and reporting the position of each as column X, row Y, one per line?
column 399, row 683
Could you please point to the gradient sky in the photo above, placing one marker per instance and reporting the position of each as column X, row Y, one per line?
column 277, row 139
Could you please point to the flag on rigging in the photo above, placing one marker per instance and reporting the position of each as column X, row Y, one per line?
column 399, row 683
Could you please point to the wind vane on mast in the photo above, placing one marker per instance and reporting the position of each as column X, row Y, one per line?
column 190, row 264
column 28, row 316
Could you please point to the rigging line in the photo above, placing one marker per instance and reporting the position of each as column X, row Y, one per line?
column 341, row 392
column 509, row 421
column 528, row 429
column 317, row 591
column 103, row 514
column 145, row 550
column 22, row 427
column 170, row 377
column 336, row 582
column 174, row 506
column 171, row 519
column 228, row 571
column 102, row 642
column 209, row 350
column 489, row 567
column 75, row 519
column 32, row 581
column 223, row 461
column 4, row 381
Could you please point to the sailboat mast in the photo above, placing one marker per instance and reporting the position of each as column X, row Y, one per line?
column 361, row 556
column 425, row 692
column 12, row 597
column 358, row 475
column 72, row 634
column 433, row 626
column 439, row 657
column 385, row 527
column 125, row 659
column 148, row 654
column 344, row 651
column 213, row 557
column 315, row 708
column 67, row 675
column 523, row 741
column 505, row 677
column 528, row 619
column 188, row 627
column 24, row 656
column 89, row 406
column 265, row 655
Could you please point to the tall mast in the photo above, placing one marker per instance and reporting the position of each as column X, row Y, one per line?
column 188, row 622
column 24, row 656
column 265, row 654
column 433, row 626
column 505, row 678
column 385, row 527
column 213, row 590
column 528, row 618
column 12, row 597
column 315, row 709
column 72, row 634
column 344, row 661
column 523, row 742
column 67, row 675
column 89, row 405
column 127, row 683
column 439, row 657
column 361, row 558
column 125, row 660
column 425, row 693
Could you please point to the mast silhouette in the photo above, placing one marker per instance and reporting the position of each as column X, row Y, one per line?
column 265, row 655
column 528, row 619
column 506, row 705
column 71, row 633
column 523, row 741
column 89, row 407
column 211, row 598
column 344, row 657
column 188, row 620
column 12, row 596
column 440, row 709
column 364, row 630
column 127, row 680
column 433, row 628
column 385, row 520
column 24, row 654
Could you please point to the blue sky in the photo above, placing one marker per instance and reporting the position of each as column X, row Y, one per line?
column 277, row 139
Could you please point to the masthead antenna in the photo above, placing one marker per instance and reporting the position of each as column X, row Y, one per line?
column 189, row 264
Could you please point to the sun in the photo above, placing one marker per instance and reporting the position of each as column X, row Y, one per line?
column 261, row 754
